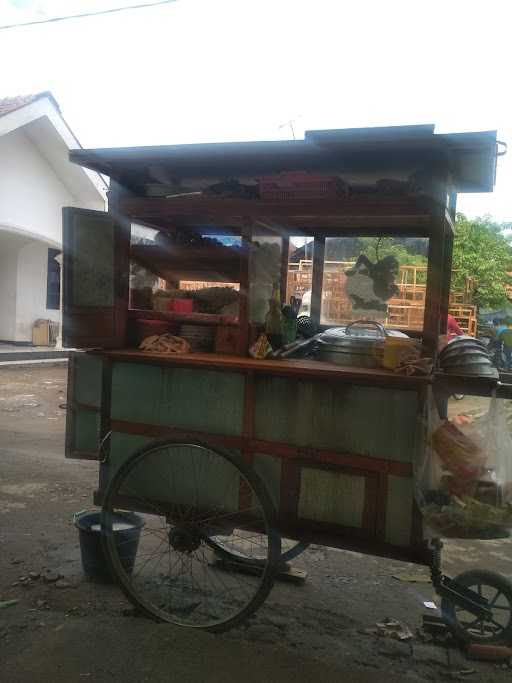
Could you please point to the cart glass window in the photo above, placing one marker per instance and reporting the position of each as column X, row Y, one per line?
column 300, row 272
column 183, row 271
column 264, row 273
column 377, row 278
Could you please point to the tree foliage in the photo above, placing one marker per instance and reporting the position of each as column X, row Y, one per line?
column 483, row 252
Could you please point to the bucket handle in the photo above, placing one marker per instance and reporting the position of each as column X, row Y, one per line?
column 103, row 453
column 77, row 514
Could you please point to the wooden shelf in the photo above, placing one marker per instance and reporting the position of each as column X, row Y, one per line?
column 360, row 212
column 214, row 319
column 209, row 263
column 286, row 368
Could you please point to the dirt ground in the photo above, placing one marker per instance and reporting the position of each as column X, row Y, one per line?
column 77, row 630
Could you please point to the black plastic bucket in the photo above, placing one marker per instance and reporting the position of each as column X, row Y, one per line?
column 126, row 537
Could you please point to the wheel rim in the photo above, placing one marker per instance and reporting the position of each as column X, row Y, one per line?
column 486, row 629
column 185, row 494
column 223, row 546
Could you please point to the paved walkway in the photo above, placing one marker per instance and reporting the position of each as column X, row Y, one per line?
column 10, row 353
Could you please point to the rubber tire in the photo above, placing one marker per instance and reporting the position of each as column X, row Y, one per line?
column 294, row 552
column 468, row 579
column 287, row 556
column 268, row 510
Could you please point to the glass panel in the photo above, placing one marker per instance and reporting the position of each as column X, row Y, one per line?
column 300, row 272
column 375, row 278
column 143, row 284
column 201, row 271
column 264, row 271
column 53, row 280
column 93, row 262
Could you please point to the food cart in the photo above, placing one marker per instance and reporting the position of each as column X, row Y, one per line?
column 232, row 462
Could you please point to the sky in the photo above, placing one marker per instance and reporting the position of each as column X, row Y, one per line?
column 224, row 70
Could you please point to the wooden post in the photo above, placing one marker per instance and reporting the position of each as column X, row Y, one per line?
column 243, row 305
column 447, row 278
column 435, row 303
column 285, row 255
column 452, row 205
column 317, row 278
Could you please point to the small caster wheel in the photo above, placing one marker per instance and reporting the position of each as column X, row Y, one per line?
column 465, row 626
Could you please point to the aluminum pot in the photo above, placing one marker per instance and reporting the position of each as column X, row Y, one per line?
column 349, row 358
column 360, row 344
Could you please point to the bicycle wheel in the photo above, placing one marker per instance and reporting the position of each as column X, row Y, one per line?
column 185, row 494
column 224, row 548
column 468, row 628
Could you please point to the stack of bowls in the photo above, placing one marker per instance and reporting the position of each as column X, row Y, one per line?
column 200, row 337
column 464, row 355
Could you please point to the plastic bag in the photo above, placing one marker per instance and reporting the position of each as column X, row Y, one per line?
column 463, row 479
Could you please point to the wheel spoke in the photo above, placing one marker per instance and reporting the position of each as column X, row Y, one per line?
column 471, row 624
column 175, row 576
column 493, row 601
column 499, row 626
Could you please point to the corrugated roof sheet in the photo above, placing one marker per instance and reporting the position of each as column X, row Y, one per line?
column 471, row 157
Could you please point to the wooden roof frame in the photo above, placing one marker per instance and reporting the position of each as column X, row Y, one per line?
column 456, row 162
column 470, row 158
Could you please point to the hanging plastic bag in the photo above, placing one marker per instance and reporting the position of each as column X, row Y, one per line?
column 463, row 478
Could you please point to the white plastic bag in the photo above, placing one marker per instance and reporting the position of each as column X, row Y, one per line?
column 463, row 478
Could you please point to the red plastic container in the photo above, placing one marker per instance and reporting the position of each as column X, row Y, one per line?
column 297, row 185
column 182, row 305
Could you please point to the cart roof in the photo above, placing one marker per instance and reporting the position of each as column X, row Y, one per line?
column 471, row 157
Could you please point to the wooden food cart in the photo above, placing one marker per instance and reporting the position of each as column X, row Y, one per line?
column 221, row 454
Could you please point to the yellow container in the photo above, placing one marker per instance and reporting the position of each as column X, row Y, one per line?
column 395, row 348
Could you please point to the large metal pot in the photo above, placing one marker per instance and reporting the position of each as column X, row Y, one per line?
column 360, row 344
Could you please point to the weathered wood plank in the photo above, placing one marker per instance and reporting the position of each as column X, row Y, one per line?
column 286, row 452
column 181, row 397
column 286, row 368
column 399, row 508
column 346, row 418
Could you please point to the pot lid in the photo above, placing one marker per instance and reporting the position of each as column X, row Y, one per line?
column 361, row 334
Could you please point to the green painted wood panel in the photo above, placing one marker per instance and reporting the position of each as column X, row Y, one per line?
column 83, row 423
column 268, row 468
column 121, row 447
column 86, row 431
column 399, row 511
column 353, row 419
column 195, row 399
column 177, row 474
column 88, row 379
column 333, row 497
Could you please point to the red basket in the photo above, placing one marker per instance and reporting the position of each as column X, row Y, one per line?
column 181, row 305
column 298, row 185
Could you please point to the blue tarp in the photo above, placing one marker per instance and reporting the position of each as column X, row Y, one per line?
column 500, row 314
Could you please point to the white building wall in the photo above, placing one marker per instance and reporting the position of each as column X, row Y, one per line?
column 8, row 280
column 31, row 290
column 31, row 200
column 31, row 195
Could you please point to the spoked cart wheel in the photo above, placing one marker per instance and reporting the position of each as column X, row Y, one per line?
column 469, row 629
column 187, row 494
column 223, row 546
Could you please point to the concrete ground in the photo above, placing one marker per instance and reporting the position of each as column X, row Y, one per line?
column 76, row 630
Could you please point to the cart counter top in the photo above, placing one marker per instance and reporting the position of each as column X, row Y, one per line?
column 288, row 367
